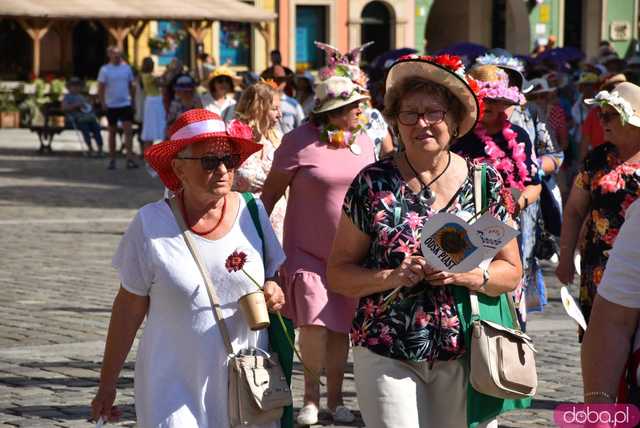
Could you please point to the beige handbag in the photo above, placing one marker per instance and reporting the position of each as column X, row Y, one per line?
column 502, row 358
column 258, row 389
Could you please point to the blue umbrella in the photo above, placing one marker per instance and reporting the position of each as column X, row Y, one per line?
column 465, row 49
column 561, row 55
column 383, row 61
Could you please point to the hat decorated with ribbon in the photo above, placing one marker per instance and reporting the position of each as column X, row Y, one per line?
column 445, row 70
column 336, row 92
column 625, row 99
column 194, row 126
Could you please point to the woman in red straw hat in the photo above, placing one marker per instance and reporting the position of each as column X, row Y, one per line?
column 181, row 369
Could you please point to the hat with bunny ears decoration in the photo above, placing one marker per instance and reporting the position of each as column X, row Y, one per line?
column 344, row 65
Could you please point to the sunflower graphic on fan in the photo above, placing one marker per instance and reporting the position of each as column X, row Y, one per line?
column 454, row 240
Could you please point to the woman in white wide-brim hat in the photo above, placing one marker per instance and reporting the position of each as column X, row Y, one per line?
column 317, row 162
column 603, row 190
column 412, row 325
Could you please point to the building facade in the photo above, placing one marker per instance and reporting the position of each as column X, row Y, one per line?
column 516, row 25
column 344, row 24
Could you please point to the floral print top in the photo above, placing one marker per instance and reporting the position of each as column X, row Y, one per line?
column 613, row 186
column 419, row 323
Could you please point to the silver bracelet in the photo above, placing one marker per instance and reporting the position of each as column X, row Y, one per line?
column 600, row 394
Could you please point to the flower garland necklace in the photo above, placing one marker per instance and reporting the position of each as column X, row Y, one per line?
column 512, row 168
column 339, row 138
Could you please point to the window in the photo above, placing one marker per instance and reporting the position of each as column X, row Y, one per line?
column 311, row 25
column 235, row 43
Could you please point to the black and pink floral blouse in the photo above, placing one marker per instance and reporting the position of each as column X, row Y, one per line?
column 418, row 323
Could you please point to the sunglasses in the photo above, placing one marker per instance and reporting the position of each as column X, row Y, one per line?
column 211, row 163
column 607, row 116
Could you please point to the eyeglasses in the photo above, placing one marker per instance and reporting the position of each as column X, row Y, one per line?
column 410, row 118
column 211, row 163
column 605, row 117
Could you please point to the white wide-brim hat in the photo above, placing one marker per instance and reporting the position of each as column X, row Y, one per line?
column 456, row 82
column 625, row 99
column 540, row 86
column 336, row 92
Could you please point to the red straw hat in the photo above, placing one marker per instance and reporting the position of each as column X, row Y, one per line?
column 193, row 126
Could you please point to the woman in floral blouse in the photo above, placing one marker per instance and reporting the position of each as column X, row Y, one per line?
column 608, row 183
column 411, row 328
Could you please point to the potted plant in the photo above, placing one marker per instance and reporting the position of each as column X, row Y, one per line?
column 9, row 112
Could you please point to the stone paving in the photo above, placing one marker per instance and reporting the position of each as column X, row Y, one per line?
column 61, row 217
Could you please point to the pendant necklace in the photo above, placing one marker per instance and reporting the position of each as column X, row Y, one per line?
column 426, row 194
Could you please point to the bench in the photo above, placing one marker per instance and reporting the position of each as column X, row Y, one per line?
column 48, row 131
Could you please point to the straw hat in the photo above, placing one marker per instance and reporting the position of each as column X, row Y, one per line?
column 494, row 84
column 625, row 99
column 445, row 70
column 191, row 127
column 336, row 92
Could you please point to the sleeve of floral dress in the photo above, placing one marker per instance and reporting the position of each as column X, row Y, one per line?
column 499, row 196
column 357, row 202
column 592, row 163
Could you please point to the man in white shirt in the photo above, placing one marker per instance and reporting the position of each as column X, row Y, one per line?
column 115, row 89
column 612, row 335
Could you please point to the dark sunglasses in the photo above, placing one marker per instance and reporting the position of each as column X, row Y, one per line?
column 211, row 163
column 607, row 116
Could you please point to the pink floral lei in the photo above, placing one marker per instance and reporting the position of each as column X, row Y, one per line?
column 496, row 157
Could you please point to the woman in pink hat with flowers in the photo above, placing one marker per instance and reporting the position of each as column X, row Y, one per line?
column 181, row 364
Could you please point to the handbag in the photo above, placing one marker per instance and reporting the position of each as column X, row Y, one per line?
column 502, row 358
column 258, row 388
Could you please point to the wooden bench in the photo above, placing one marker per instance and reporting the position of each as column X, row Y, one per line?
column 48, row 131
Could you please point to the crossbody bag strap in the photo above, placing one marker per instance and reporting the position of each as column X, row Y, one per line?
column 252, row 206
column 213, row 297
column 481, row 203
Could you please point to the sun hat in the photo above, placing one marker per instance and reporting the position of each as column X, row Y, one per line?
column 222, row 71
column 514, row 67
column 336, row 92
column 184, row 82
column 625, row 99
column 588, row 78
column 191, row 127
column 540, row 86
column 447, row 71
column 494, row 85
column 612, row 79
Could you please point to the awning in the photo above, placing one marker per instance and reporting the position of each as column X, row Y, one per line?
column 174, row 10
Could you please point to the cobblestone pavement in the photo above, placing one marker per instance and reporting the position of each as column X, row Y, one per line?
column 61, row 216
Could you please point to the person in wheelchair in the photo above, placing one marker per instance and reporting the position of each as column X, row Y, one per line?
column 80, row 116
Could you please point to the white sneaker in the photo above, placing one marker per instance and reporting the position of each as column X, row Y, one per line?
column 308, row 415
column 343, row 414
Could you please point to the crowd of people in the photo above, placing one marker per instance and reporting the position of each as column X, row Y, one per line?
column 347, row 171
